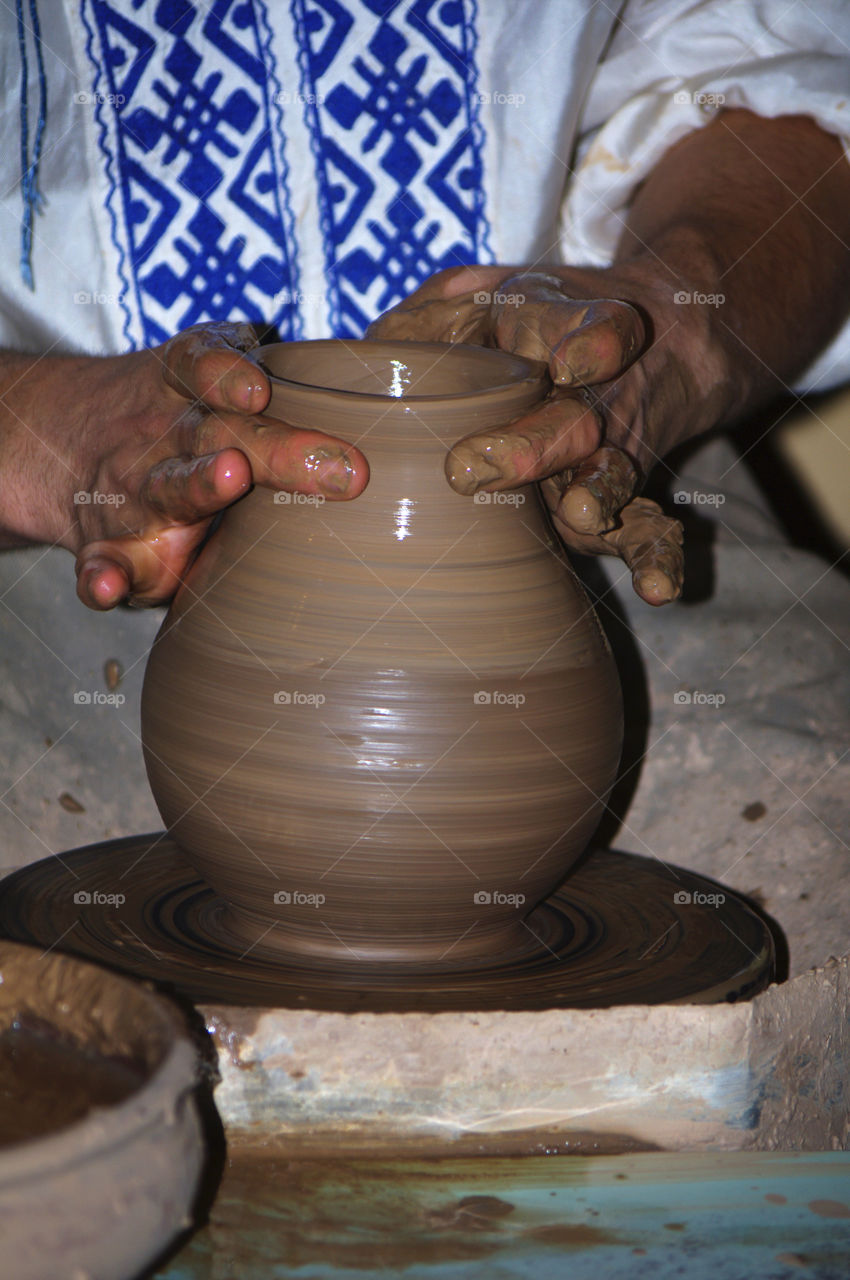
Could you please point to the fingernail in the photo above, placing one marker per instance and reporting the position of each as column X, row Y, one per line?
column 584, row 512
column 654, row 587
column 94, row 587
column 332, row 470
column 241, row 389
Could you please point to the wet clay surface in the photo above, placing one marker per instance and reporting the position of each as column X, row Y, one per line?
column 46, row 1084
column 384, row 730
column 615, row 934
column 512, row 1217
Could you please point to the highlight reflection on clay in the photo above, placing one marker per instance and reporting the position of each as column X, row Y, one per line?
column 384, row 729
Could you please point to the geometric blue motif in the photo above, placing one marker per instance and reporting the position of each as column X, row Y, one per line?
column 191, row 135
column 393, row 108
column 185, row 98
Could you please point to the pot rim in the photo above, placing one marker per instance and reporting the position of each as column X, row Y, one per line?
column 537, row 371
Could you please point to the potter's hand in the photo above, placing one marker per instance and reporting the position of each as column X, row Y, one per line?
column 126, row 459
column 735, row 289
column 589, row 448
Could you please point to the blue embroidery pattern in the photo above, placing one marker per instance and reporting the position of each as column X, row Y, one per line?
column 394, row 124
column 198, row 197
column 187, row 100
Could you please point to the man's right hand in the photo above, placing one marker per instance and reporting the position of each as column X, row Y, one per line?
column 124, row 460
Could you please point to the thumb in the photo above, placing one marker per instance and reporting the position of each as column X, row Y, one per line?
column 611, row 334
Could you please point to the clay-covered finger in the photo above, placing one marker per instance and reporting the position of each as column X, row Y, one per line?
column 531, row 312
column 458, row 319
column 307, row 462
column 584, row 340
column 557, row 436
column 605, row 342
column 650, row 543
column 186, row 490
column 285, row 457
column 597, row 490
column 207, row 363
column 469, row 285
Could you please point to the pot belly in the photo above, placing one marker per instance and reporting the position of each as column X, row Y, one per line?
column 380, row 813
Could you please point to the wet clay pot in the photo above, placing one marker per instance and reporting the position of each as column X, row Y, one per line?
column 384, row 729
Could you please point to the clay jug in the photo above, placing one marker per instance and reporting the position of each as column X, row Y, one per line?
column 384, row 729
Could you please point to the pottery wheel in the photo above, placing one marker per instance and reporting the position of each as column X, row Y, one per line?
column 622, row 930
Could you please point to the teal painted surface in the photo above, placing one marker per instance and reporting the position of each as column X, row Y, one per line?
column 706, row 1217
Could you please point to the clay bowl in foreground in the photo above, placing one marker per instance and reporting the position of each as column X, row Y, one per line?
column 104, row 1195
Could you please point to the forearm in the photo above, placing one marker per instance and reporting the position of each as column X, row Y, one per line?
column 756, row 212
column 40, row 429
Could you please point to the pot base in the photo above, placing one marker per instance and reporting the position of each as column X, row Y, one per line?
column 282, row 941
column 623, row 930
